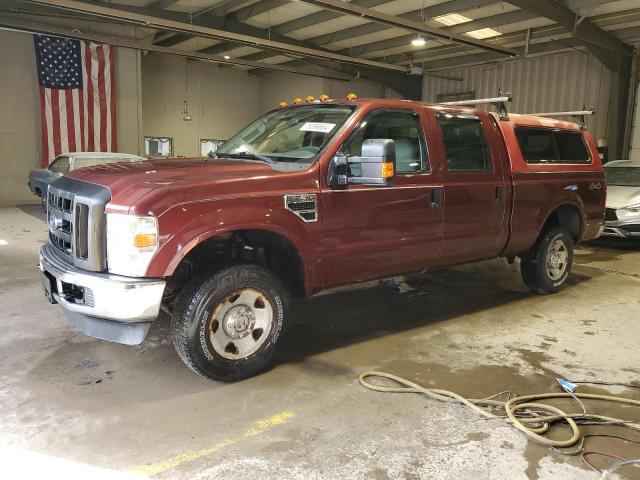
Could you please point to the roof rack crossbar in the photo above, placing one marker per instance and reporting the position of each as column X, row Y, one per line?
column 577, row 114
column 500, row 102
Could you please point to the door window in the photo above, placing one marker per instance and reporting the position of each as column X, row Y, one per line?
column 401, row 126
column 464, row 143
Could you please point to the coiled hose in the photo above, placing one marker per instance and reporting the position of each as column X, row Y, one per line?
column 526, row 413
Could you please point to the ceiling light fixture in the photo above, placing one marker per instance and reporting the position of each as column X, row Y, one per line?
column 483, row 33
column 452, row 19
column 227, row 57
column 418, row 41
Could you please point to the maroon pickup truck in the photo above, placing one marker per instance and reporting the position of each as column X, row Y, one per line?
column 307, row 197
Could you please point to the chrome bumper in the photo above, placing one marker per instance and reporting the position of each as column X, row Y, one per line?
column 105, row 306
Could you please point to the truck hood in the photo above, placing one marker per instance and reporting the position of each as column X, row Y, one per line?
column 619, row 196
column 129, row 181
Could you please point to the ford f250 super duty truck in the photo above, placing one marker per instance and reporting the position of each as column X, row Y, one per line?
column 307, row 197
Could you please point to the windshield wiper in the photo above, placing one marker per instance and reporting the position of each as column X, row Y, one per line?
column 249, row 155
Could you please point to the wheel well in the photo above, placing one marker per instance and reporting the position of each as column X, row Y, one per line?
column 262, row 247
column 567, row 216
column 37, row 191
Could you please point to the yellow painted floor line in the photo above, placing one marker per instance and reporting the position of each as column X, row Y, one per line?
column 260, row 427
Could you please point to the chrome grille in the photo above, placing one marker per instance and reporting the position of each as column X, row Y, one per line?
column 75, row 214
column 304, row 205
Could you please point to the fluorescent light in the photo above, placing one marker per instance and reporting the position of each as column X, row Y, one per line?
column 452, row 19
column 418, row 41
column 483, row 33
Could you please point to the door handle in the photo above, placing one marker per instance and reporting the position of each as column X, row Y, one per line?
column 499, row 192
column 435, row 198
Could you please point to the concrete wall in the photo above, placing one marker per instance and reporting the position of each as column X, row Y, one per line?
column 634, row 151
column 220, row 101
column 19, row 118
column 551, row 83
column 20, row 115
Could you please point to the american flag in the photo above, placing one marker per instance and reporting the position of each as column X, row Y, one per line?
column 77, row 96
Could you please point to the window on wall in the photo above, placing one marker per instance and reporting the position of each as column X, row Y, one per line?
column 158, row 146
column 464, row 143
column 546, row 145
column 208, row 146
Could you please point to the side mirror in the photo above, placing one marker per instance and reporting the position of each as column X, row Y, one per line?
column 376, row 166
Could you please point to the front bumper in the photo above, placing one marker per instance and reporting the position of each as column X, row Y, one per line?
column 102, row 305
column 621, row 223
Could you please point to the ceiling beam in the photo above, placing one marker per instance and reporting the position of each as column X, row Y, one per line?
column 20, row 23
column 149, row 21
column 493, row 21
column 161, row 4
column 585, row 31
column 411, row 25
column 373, row 27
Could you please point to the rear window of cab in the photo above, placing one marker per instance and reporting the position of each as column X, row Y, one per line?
column 549, row 145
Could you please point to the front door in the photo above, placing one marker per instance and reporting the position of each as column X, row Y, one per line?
column 475, row 226
column 380, row 231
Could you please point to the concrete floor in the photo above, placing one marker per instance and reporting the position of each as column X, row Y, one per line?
column 91, row 409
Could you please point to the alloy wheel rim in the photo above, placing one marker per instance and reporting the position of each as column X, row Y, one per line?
column 241, row 324
column 557, row 259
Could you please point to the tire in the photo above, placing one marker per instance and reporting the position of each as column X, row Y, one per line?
column 540, row 271
column 252, row 306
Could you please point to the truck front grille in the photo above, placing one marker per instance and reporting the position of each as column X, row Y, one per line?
column 75, row 214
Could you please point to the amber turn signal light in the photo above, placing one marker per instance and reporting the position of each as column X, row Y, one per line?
column 387, row 170
column 144, row 240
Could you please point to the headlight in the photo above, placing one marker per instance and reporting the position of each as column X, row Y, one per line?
column 131, row 243
column 632, row 208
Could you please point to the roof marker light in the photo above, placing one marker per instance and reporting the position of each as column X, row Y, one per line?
column 283, row 104
column 297, row 100
column 351, row 96
column 309, row 98
column 324, row 98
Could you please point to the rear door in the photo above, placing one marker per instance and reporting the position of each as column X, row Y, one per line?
column 379, row 231
column 476, row 190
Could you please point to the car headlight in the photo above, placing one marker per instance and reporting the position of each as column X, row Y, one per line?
column 131, row 243
column 632, row 208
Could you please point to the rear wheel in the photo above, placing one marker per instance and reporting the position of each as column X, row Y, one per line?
column 226, row 325
column 546, row 267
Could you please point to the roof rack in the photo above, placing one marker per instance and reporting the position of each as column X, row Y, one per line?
column 500, row 102
column 577, row 114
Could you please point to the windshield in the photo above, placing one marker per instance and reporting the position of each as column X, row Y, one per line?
column 623, row 176
column 288, row 135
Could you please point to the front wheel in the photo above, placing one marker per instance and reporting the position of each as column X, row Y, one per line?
column 546, row 267
column 226, row 325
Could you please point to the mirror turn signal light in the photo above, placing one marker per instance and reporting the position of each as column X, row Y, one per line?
column 145, row 240
column 283, row 104
column 351, row 96
column 297, row 100
column 387, row 170
column 324, row 98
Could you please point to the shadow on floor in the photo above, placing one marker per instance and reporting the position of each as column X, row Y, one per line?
column 35, row 210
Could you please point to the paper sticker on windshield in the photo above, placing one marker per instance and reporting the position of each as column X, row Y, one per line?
column 317, row 127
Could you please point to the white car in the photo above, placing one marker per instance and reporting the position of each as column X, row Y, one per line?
column 622, row 215
column 39, row 180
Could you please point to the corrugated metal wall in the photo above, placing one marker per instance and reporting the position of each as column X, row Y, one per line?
column 560, row 82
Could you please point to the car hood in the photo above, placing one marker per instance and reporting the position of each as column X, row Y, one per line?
column 132, row 180
column 619, row 196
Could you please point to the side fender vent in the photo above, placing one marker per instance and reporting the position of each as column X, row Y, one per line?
column 304, row 205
